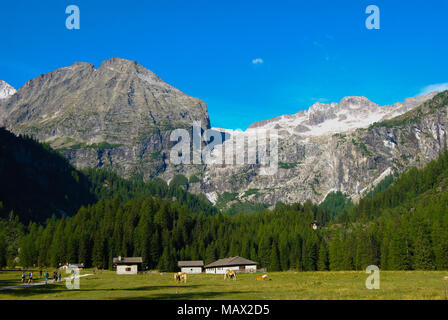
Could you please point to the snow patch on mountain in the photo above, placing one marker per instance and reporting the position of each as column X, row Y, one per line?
column 6, row 90
column 349, row 114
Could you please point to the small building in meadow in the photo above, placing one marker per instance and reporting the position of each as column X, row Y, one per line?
column 234, row 263
column 129, row 265
column 71, row 266
column 191, row 266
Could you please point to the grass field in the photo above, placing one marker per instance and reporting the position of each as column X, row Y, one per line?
column 283, row 285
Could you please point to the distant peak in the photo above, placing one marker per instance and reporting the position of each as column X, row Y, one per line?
column 128, row 66
column 118, row 61
column 349, row 100
column 355, row 99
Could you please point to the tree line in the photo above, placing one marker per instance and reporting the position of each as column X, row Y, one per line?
column 403, row 226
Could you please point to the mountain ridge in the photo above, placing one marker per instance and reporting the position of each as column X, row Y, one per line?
column 352, row 112
column 120, row 105
column 120, row 115
column 351, row 161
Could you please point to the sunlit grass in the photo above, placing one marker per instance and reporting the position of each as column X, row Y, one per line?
column 283, row 285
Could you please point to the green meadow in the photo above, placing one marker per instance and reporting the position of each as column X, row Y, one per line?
column 395, row 285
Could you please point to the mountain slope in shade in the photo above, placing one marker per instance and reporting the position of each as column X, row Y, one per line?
column 37, row 182
column 118, row 116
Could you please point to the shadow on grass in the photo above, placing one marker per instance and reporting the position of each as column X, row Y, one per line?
column 145, row 288
column 14, row 277
column 187, row 296
column 9, row 282
column 53, row 289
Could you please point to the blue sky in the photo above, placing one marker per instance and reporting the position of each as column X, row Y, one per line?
column 304, row 51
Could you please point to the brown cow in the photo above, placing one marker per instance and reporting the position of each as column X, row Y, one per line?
column 230, row 274
column 179, row 276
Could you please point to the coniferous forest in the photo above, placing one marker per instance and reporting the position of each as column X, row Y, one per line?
column 401, row 225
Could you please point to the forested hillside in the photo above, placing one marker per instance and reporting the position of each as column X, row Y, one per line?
column 163, row 232
column 105, row 184
column 37, row 183
column 401, row 225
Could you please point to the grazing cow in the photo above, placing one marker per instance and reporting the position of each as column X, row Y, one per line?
column 262, row 278
column 230, row 274
column 180, row 276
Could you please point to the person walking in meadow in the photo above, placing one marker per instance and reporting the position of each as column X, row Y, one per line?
column 46, row 277
column 59, row 276
column 30, row 279
column 23, row 277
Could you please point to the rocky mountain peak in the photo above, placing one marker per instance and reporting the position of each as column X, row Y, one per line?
column 6, row 90
column 132, row 67
column 119, row 65
column 118, row 116
column 356, row 100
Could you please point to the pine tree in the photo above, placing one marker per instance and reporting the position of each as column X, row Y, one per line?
column 98, row 252
column 274, row 264
column 85, row 250
column 423, row 256
column 27, row 252
column 167, row 260
column 348, row 258
column 309, row 253
column 210, row 254
column 284, row 252
column 440, row 236
column 399, row 251
column 58, row 248
column 253, row 253
column 264, row 251
column 322, row 262
column 295, row 256
column 2, row 249
column 384, row 258
column 366, row 250
column 154, row 249
column 336, row 253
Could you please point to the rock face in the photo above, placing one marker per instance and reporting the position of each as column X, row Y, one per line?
column 118, row 116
